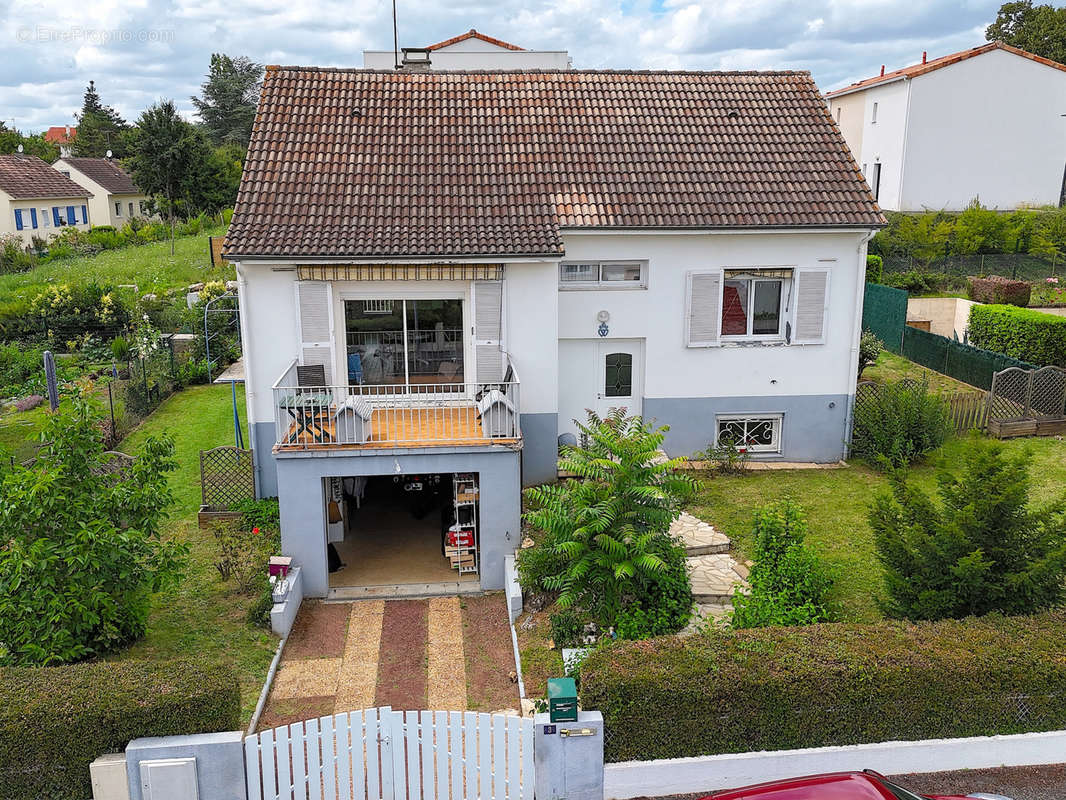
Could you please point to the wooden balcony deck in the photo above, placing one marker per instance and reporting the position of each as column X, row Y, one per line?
column 456, row 426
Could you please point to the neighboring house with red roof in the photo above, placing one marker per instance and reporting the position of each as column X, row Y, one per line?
column 35, row 200
column 440, row 271
column 470, row 50
column 62, row 136
column 115, row 198
column 982, row 123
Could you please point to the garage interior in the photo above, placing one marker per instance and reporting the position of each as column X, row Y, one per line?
column 403, row 530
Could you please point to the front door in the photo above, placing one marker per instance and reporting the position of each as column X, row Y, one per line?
column 599, row 374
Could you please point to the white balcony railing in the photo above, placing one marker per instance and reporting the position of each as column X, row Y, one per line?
column 395, row 415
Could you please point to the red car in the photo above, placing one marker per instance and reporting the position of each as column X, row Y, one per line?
column 867, row 785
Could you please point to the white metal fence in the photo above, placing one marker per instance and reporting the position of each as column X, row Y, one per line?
column 381, row 754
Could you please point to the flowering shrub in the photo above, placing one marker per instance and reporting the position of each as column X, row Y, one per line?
column 1048, row 292
column 13, row 254
column 69, row 311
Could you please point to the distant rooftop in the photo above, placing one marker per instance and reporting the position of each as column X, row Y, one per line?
column 925, row 66
column 60, row 134
column 105, row 172
column 473, row 34
column 26, row 177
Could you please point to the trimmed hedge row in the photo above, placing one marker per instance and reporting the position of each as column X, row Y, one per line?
column 831, row 684
column 1020, row 333
column 997, row 289
column 54, row 721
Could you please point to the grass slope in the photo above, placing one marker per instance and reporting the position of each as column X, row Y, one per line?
column 203, row 615
column 151, row 267
column 837, row 501
column 890, row 368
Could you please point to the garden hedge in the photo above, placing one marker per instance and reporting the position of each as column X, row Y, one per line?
column 54, row 721
column 832, row 684
column 1021, row 333
column 997, row 289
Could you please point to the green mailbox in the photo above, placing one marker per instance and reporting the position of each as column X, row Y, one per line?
column 562, row 700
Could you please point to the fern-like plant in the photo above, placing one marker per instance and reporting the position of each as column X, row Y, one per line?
column 609, row 526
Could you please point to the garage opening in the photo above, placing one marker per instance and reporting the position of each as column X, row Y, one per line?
column 412, row 533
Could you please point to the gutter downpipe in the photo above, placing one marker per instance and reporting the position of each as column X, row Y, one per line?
column 856, row 334
column 249, row 392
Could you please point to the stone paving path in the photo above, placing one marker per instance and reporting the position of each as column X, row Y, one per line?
column 442, row 653
column 714, row 573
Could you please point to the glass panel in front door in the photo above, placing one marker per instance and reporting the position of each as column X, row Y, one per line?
column 618, row 375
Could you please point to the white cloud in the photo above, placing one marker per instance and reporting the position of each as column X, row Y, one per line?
column 139, row 51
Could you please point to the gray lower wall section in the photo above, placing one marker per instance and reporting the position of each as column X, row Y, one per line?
column 303, row 508
column 266, row 471
column 219, row 762
column 540, row 448
column 814, row 427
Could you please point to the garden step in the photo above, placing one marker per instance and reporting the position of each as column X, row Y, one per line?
column 697, row 537
column 714, row 577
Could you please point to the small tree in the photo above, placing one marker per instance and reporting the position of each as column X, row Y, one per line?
column 84, row 549
column 982, row 548
column 870, row 347
column 609, row 527
column 168, row 157
column 789, row 583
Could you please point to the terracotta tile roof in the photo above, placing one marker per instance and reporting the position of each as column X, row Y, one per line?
column 473, row 34
column 380, row 163
column 105, row 172
column 915, row 70
column 28, row 177
column 60, row 134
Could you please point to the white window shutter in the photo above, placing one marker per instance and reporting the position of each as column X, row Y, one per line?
column 316, row 325
column 488, row 327
column 703, row 301
column 812, row 306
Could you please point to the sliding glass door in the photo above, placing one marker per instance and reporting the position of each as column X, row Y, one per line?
column 408, row 343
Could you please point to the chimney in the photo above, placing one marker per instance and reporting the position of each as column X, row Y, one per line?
column 416, row 59
column 68, row 131
column 882, row 70
column 924, row 56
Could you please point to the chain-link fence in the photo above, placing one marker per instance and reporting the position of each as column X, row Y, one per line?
column 1018, row 266
column 132, row 391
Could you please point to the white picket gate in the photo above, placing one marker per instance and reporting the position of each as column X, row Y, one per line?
column 381, row 754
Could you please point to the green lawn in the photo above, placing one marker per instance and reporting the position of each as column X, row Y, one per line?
column 150, row 267
column 203, row 616
column 836, row 501
column 890, row 368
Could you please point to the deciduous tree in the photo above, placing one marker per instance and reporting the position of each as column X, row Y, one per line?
column 1038, row 29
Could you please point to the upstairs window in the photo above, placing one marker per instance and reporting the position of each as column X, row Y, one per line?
column 753, row 302
column 603, row 275
column 118, row 209
column 873, row 115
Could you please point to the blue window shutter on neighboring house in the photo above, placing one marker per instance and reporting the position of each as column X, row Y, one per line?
column 72, row 218
column 18, row 219
column 55, row 216
column 84, row 215
column 33, row 217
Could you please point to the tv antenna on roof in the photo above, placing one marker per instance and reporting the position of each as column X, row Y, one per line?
column 108, row 154
column 20, row 148
column 395, row 40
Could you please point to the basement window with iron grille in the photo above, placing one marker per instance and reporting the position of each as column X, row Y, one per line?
column 750, row 434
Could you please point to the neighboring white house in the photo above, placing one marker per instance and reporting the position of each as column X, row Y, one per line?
column 115, row 198
column 440, row 271
column 62, row 136
column 471, row 50
column 35, row 200
column 985, row 123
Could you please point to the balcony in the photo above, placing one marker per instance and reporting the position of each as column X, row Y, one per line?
column 384, row 416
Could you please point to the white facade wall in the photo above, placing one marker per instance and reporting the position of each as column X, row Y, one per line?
column 885, row 142
column 657, row 314
column 44, row 210
column 270, row 332
column 987, row 127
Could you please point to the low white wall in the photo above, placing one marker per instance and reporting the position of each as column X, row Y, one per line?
column 947, row 315
column 512, row 588
column 282, row 615
column 711, row 773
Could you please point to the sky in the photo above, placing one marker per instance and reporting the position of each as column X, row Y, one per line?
column 141, row 51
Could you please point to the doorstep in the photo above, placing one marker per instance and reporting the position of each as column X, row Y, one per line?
column 346, row 594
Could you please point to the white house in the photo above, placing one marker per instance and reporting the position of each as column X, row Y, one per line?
column 470, row 50
column 440, row 271
column 35, row 200
column 115, row 197
column 985, row 123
